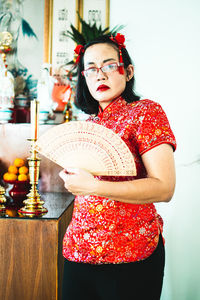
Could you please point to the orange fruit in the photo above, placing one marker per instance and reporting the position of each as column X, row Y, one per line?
column 19, row 162
column 23, row 170
column 13, row 169
column 22, row 177
column 10, row 176
column 11, row 212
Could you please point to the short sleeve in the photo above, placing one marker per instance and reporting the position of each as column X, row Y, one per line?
column 154, row 128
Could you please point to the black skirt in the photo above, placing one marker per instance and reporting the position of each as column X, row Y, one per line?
column 133, row 281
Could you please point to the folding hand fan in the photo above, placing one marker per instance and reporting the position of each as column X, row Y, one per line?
column 89, row 146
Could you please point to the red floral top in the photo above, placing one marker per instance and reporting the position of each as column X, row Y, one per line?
column 107, row 231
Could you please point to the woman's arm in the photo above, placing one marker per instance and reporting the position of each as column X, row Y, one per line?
column 158, row 187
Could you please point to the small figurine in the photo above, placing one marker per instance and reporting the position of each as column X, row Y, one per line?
column 6, row 87
column 44, row 92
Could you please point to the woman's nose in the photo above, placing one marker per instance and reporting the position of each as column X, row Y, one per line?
column 101, row 75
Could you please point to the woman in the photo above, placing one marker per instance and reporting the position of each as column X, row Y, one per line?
column 113, row 247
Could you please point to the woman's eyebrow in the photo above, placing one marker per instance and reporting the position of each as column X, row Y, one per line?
column 109, row 59
column 104, row 61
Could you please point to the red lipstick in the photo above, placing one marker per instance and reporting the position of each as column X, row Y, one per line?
column 102, row 88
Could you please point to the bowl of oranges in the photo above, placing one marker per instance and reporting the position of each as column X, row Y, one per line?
column 17, row 172
column 18, row 176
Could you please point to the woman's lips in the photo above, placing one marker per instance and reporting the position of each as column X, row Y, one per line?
column 102, row 88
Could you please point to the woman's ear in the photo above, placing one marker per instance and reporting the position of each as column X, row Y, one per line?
column 129, row 72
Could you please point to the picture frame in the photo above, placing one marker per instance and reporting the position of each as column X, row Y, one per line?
column 58, row 48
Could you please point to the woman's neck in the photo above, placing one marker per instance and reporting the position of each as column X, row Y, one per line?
column 104, row 105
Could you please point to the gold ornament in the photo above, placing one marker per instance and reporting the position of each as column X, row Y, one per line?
column 2, row 201
column 5, row 40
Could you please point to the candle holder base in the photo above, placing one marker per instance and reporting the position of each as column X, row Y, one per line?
column 33, row 205
column 32, row 212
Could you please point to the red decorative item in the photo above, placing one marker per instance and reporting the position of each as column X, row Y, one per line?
column 5, row 50
column 119, row 39
column 61, row 93
column 79, row 50
column 121, row 67
column 20, row 115
column 18, row 192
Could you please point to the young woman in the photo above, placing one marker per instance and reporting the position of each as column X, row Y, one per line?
column 113, row 247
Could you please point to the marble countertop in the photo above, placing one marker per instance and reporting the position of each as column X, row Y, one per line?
column 56, row 203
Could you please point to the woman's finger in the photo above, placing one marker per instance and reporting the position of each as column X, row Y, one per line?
column 72, row 170
column 63, row 175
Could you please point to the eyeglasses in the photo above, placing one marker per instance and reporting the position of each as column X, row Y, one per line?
column 93, row 71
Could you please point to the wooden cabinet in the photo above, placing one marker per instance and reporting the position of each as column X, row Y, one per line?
column 31, row 261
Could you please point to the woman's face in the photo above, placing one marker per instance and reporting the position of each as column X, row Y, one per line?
column 104, row 87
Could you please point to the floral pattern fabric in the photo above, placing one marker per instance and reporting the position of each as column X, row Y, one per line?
column 108, row 231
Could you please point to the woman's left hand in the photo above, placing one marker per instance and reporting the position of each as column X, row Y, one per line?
column 78, row 181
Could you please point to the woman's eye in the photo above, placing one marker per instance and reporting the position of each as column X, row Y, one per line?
column 91, row 70
column 110, row 67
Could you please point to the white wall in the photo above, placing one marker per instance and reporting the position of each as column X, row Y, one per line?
column 163, row 38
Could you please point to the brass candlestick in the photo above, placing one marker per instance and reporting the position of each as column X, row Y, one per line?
column 2, row 201
column 33, row 204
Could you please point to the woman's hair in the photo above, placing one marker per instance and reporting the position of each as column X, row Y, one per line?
column 83, row 98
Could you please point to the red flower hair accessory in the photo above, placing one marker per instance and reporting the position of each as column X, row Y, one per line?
column 79, row 50
column 119, row 39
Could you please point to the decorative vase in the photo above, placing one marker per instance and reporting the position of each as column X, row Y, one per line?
column 18, row 192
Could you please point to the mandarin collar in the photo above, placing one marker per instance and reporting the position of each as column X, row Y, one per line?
column 111, row 108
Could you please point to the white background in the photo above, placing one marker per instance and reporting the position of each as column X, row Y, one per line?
column 163, row 38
